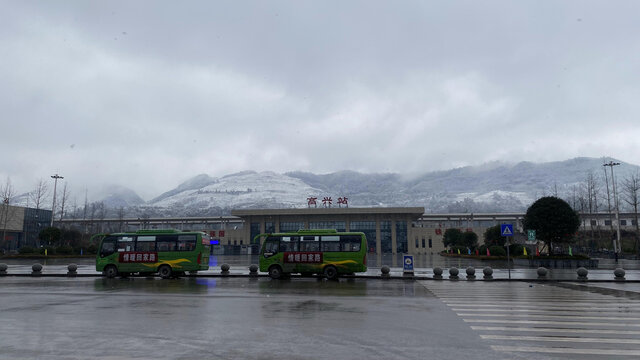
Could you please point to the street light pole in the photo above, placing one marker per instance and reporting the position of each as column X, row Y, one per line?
column 611, row 164
column 55, row 184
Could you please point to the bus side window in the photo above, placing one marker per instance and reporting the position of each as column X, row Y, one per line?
column 330, row 243
column 125, row 243
column 166, row 242
column 310, row 243
column 289, row 243
column 108, row 246
column 146, row 243
column 186, row 242
column 350, row 242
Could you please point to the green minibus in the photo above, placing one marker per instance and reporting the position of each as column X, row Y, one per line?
column 325, row 252
column 166, row 252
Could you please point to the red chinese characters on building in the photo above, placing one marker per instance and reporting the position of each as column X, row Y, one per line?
column 138, row 257
column 438, row 231
column 221, row 233
column 343, row 201
column 312, row 201
column 212, row 233
column 327, row 201
column 303, row 257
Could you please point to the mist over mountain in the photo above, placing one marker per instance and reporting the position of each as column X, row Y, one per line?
column 491, row 187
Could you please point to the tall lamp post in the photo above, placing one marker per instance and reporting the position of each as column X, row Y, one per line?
column 55, row 184
column 611, row 164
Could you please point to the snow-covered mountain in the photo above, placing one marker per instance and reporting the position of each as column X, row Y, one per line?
column 492, row 187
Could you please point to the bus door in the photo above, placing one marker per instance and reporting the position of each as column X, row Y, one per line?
column 124, row 250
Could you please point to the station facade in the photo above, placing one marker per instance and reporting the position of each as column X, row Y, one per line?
column 388, row 230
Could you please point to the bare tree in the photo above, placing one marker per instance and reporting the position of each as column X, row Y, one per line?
column 606, row 180
column 6, row 213
column 631, row 189
column 39, row 193
column 63, row 201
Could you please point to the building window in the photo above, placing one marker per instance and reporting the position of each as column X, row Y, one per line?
column 385, row 237
column 339, row 226
column 269, row 227
column 623, row 222
column 423, row 243
column 430, row 245
column 255, row 231
column 607, row 222
column 291, row 226
column 594, row 222
column 369, row 230
column 401, row 237
column 417, row 243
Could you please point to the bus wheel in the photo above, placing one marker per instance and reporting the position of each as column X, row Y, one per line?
column 110, row 271
column 165, row 271
column 275, row 272
column 331, row 273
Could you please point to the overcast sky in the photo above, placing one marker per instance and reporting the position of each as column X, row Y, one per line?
column 149, row 94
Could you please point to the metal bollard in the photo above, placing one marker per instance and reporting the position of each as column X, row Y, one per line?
column 36, row 269
column 72, row 270
column 618, row 273
column 488, row 273
column 471, row 273
column 582, row 273
column 453, row 273
column 384, row 270
column 437, row 273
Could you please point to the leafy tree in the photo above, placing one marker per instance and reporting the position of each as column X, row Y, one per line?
column 469, row 239
column 493, row 236
column 553, row 220
column 451, row 237
column 51, row 235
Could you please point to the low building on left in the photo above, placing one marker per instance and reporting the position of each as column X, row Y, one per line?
column 20, row 226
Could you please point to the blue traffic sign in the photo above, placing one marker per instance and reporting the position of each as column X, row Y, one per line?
column 408, row 263
column 506, row 230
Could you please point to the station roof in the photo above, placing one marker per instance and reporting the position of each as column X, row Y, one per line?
column 413, row 211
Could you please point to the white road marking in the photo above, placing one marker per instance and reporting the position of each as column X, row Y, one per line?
column 564, row 350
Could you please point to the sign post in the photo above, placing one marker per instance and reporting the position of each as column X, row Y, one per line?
column 507, row 231
column 407, row 269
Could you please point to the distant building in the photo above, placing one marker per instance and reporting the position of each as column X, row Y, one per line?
column 21, row 226
column 393, row 230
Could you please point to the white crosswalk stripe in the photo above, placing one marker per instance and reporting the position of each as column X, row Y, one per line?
column 556, row 321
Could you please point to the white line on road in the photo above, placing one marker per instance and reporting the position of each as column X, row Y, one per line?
column 560, row 339
column 542, row 322
column 565, row 350
column 538, row 316
column 558, row 330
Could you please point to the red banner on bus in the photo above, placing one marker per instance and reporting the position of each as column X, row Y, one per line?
column 303, row 257
column 138, row 257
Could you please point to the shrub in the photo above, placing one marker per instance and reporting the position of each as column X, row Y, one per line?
column 497, row 250
column 64, row 250
column 26, row 250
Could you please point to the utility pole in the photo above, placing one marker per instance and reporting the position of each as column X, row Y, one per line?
column 611, row 164
column 55, row 184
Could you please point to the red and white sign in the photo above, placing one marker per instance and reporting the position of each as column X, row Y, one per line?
column 138, row 257
column 303, row 257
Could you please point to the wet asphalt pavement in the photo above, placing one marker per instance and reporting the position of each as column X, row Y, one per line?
column 229, row 318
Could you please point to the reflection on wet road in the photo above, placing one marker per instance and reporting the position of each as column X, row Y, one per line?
column 226, row 318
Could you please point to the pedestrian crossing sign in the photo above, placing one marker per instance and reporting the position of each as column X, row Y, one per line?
column 506, row 230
